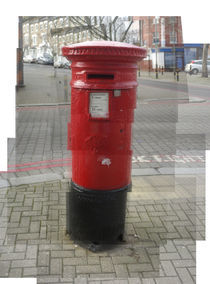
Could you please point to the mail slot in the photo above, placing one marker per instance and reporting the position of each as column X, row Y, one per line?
column 100, row 76
column 103, row 99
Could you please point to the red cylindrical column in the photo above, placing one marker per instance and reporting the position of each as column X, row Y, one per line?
column 103, row 99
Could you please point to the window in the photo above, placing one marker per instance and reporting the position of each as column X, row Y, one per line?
column 155, row 38
column 61, row 21
column 32, row 28
column 36, row 27
column 44, row 38
column 26, row 39
column 66, row 22
column 156, row 20
column 173, row 37
column 45, row 24
column 34, row 38
column 172, row 20
column 41, row 26
column 198, row 62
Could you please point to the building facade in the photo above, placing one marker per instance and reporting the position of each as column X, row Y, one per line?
column 49, row 34
column 162, row 36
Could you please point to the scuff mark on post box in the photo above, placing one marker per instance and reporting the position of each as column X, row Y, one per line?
column 106, row 162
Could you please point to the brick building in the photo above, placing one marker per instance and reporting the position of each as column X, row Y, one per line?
column 165, row 31
column 162, row 36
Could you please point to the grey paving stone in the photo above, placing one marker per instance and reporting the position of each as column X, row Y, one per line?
column 31, row 252
column 43, row 258
column 106, row 264
column 189, row 171
column 4, row 268
column 69, row 271
column 166, row 171
column 123, row 259
column 185, row 275
column 148, row 281
column 136, row 281
column 62, row 253
column 12, row 256
column 34, row 179
column 169, row 256
column 184, row 252
column 35, row 227
column 144, row 172
column 4, row 183
column 88, row 269
column 15, row 272
column 23, row 263
column 184, row 263
column 56, row 266
column 29, row 271
column 75, row 261
column 121, row 270
column 168, row 280
column 168, row 268
column 140, row 267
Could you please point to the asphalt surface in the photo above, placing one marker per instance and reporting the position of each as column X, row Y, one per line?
column 186, row 89
column 169, row 131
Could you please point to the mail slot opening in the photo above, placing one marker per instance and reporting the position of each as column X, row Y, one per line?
column 100, row 76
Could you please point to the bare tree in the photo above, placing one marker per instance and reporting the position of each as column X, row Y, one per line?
column 101, row 27
column 204, row 65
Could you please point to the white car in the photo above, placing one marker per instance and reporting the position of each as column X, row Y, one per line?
column 61, row 62
column 29, row 59
column 195, row 66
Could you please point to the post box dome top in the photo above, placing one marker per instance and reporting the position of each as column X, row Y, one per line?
column 104, row 49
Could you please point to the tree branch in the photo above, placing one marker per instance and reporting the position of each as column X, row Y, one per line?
column 125, row 33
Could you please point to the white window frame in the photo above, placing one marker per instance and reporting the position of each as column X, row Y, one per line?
column 155, row 19
column 34, row 40
column 173, row 35
column 155, row 36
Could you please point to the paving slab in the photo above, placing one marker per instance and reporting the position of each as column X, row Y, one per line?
column 144, row 172
column 154, row 250
column 4, row 183
column 181, row 171
column 35, row 179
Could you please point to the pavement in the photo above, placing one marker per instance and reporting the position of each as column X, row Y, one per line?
column 164, row 218
column 165, row 210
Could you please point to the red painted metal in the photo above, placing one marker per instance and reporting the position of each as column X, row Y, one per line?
column 101, row 146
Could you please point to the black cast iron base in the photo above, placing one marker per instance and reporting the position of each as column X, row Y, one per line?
column 96, row 216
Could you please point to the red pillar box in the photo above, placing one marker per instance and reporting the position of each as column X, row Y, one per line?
column 103, row 99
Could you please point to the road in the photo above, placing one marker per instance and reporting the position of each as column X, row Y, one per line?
column 184, row 89
column 168, row 133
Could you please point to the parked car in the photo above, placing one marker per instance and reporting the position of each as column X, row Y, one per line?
column 61, row 62
column 29, row 59
column 45, row 59
column 195, row 66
